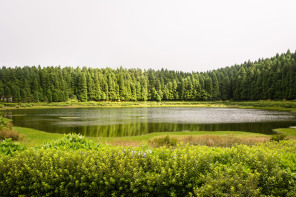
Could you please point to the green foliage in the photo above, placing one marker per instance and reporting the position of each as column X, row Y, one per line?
column 6, row 130
column 10, row 104
column 262, row 170
column 8, row 147
column 71, row 141
column 224, row 180
column 163, row 141
column 3, row 122
column 265, row 104
column 278, row 137
column 271, row 78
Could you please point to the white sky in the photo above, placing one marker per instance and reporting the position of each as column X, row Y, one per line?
column 187, row 35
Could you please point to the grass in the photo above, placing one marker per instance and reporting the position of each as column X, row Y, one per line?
column 32, row 137
column 262, row 104
column 223, row 141
column 69, row 104
column 217, row 138
column 290, row 132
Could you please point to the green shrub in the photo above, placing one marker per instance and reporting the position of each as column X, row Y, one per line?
column 8, row 147
column 3, row 122
column 10, row 104
column 278, row 137
column 71, row 141
column 235, row 180
column 262, row 170
column 163, row 141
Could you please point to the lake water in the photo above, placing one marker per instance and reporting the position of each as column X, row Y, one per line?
column 116, row 122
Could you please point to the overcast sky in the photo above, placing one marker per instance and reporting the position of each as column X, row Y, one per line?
column 187, row 35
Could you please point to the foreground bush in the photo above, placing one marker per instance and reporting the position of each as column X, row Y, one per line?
column 267, row 169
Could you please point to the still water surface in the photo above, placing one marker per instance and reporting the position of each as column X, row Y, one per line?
column 115, row 122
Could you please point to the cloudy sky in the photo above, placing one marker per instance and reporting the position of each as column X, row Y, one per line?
column 187, row 35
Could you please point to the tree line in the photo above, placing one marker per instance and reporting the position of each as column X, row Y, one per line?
column 271, row 78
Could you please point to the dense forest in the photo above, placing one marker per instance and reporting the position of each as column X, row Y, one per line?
column 271, row 78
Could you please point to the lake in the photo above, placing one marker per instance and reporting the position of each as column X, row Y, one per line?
column 119, row 122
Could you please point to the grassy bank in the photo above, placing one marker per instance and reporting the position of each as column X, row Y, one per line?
column 290, row 132
column 74, row 104
column 264, row 104
column 32, row 137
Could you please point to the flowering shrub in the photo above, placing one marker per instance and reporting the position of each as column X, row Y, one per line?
column 267, row 169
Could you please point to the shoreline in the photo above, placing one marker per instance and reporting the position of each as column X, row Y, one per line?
column 266, row 105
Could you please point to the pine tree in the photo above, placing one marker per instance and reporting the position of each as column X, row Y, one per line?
column 82, row 87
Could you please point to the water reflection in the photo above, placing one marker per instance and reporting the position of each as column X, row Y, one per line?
column 134, row 129
column 110, row 122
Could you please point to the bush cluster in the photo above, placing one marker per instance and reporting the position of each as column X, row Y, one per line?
column 70, row 142
column 163, row 141
column 278, row 137
column 262, row 170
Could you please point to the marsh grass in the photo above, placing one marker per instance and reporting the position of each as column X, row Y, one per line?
column 34, row 137
column 10, row 133
column 119, row 142
column 7, row 131
column 205, row 140
column 222, row 141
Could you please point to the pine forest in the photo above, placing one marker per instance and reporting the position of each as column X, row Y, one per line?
column 271, row 78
